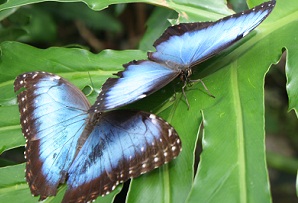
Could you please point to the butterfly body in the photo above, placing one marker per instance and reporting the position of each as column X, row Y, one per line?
column 178, row 49
column 91, row 152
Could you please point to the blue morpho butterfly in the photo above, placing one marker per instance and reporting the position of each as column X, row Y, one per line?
column 178, row 49
column 91, row 152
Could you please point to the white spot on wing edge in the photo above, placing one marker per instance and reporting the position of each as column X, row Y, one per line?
column 35, row 75
column 55, row 77
column 170, row 132
column 245, row 33
column 142, row 96
column 152, row 116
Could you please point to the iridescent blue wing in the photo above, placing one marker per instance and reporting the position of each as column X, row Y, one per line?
column 139, row 79
column 188, row 44
column 123, row 145
column 178, row 49
column 53, row 114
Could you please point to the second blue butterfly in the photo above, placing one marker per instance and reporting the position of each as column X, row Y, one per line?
column 178, row 49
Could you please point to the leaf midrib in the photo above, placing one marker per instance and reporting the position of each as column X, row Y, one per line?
column 240, row 131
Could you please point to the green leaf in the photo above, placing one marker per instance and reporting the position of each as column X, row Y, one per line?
column 187, row 10
column 13, row 186
column 80, row 12
column 27, row 24
column 6, row 13
column 232, row 166
column 159, row 18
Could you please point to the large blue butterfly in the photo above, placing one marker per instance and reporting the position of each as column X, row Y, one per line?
column 92, row 152
column 178, row 49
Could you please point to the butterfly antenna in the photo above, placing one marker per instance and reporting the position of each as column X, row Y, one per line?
column 91, row 80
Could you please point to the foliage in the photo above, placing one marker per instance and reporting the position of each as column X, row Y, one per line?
column 232, row 166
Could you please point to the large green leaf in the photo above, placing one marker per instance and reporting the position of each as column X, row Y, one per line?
column 186, row 10
column 13, row 187
column 232, row 166
column 98, row 5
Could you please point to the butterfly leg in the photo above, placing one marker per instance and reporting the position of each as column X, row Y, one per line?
column 205, row 87
column 192, row 81
column 183, row 92
column 173, row 98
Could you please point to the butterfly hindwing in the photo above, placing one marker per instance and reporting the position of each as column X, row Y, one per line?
column 123, row 145
column 52, row 120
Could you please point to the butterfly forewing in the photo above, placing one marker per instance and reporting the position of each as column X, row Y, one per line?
column 201, row 41
column 52, row 121
column 139, row 79
column 123, row 145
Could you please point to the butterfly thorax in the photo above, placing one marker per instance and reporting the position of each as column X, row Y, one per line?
column 184, row 70
column 175, row 66
column 185, row 74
